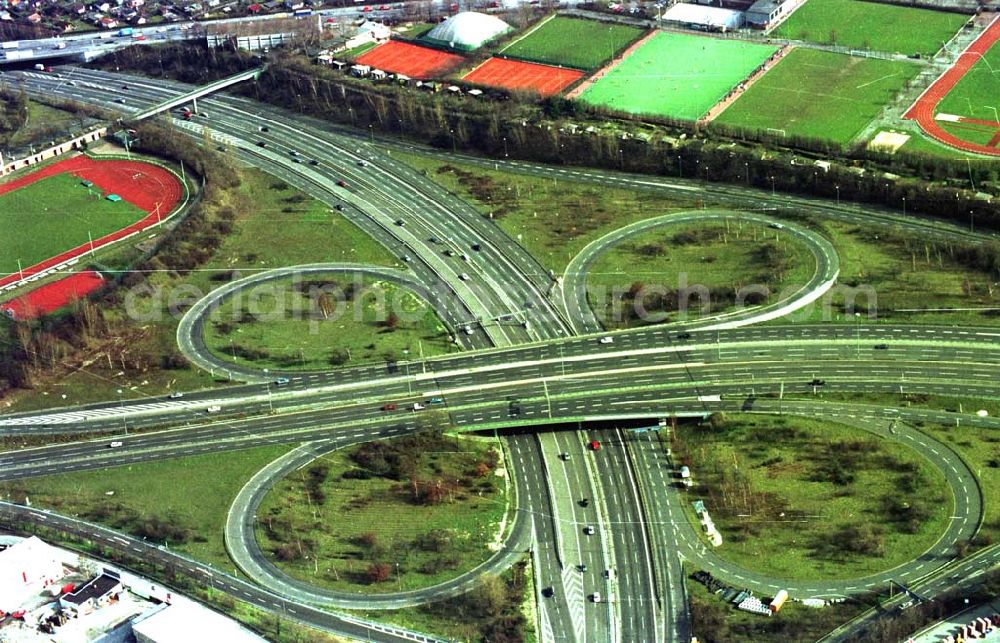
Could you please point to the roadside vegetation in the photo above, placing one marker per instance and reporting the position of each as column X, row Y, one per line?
column 408, row 513
column 800, row 498
column 718, row 622
column 247, row 221
column 180, row 502
column 651, row 270
column 322, row 321
column 913, row 278
column 553, row 220
column 493, row 610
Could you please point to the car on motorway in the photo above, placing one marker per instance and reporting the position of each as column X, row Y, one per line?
column 584, row 502
column 468, row 329
column 607, row 340
column 339, row 207
column 342, row 183
column 465, row 257
column 362, row 163
column 281, row 381
column 125, row 87
column 449, row 253
column 389, row 406
column 115, row 444
column 817, row 382
column 313, row 162
column 595, row 445
column 881, row 347
column 683, row 335
column 215, row 408
column 293, row 152
column 435, row 400
column 263, row 128
column 400, row 222
column 261, row 144
column 417, row 406
column 406, row 258
column 589, row 530
column 175, row 395
column 609, row 573
column 433, row 240
column 582, row 567
column 564, row 456
column 549, row 592
column 120, row 99
column 596, row 597
column 477, row 247
column 776, row 226
column 463, row 276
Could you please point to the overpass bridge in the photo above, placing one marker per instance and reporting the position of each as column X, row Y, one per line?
column 195, row 94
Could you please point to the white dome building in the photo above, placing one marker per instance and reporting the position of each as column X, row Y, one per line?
column 467, row 31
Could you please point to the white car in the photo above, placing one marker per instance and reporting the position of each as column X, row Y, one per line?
column 607, row 340
column 464, row 277
column 417, row 406
column 589, row 530
column 176, row 395
column 215, row 408
column 115, row 444
column 596, row 597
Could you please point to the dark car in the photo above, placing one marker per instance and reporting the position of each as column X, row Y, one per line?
column 263, row 128
column 339, row 207
column 313, row 162
column 477, row 247
column 817, row 382
column 881, row 347
column 548, row 592
column 683, row 335
column 584, row 502
column 342, row 183
column 261, row 144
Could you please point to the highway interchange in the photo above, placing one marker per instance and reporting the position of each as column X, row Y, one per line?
column 533, row 355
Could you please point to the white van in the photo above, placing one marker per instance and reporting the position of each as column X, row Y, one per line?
column 215, row 408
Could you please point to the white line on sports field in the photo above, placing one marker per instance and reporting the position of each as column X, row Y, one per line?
column 877, row 80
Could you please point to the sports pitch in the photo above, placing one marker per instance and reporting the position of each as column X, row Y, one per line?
column 871, row 25
column 573, row 42
column 677, row 75
column 55, row 214
column 819, row 94
column 977, row 94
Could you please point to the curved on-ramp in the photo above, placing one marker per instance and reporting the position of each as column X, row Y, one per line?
column 574, row 284
column 191, row 329
column 243, row 548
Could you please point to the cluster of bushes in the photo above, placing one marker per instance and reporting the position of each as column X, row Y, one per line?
column 13, row 114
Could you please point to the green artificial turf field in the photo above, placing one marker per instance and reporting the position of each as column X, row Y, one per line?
column 677, row 75
column 573, row 42
column 871, row 25
column 977, row 94
column 819, row 94
column 53, row 215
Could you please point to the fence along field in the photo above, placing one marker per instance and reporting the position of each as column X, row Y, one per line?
column 872, row 25
column 819, row 94
column 573, row 42
column 517, row 75
column 677, row 75
column 46, row 216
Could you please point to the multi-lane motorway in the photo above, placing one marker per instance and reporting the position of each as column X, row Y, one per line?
column 510, row 302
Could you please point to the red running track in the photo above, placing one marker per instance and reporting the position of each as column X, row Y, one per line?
column 923, row 110
column 142, row 184
column 53, row 296
column 515, row 74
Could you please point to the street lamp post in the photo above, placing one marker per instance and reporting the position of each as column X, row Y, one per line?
column 121, row 401
column 837, row 188
column 505, row 155
column 904, row 206
column 772, row 187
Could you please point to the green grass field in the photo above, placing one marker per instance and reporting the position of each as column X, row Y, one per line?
column 192, row 494
column 677, row 75
column 976, row 94
column 330, row 532
column 573, row 42
column 279, row 325
column 907, row 274
column 787, row 495
column 552, row 220
column 722, row 257
column 819, row 94
column 53, row 215
column 872, row 25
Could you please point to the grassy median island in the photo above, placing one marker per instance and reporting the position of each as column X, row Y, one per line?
column 316, row 322
column 181, row 502
column 552, row 219
column 803, row 499
column 651, row 270
column 909, row 278
column 388, row 515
